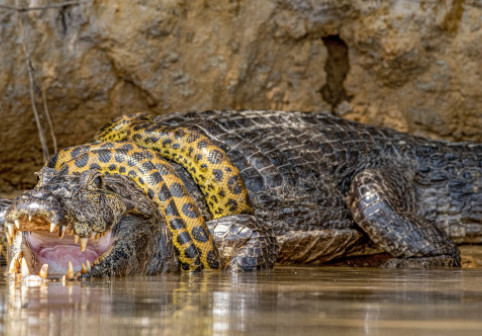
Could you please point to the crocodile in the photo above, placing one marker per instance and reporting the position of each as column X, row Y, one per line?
column 315, row 188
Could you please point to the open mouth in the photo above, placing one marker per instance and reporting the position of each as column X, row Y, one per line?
column 47, row 248
column 64, row 252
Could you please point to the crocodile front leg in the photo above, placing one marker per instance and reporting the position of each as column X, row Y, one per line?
column 244, row 242
column 382, row 203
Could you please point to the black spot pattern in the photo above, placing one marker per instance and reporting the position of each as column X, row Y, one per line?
column 135, row 158
column 199, row 234
column 190, row 210
column 171, row 209
column 147, row 166
column 120, row 156
column 191, row 252
column 218, row 175
column 184, row 238
column 212, row 260
column 81, row 161
column 77, row 151
column 156, row 178
column 232, row 204
column 234, row 185
column 164, row 194
column 95, row 166
column 53, row 161
column 126, row 147
column 177, row 224
column 177, row 190
column 163, row 169
column 215, row 156
column 107, row 145
column 202, row 144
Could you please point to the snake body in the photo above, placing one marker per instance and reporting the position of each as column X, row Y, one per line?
column 218, row 178
column 191, row 238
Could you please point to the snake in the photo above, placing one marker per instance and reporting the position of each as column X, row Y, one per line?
column 193, row 243
column 217, row 177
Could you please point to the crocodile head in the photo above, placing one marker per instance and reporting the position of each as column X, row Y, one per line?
column 87, row 218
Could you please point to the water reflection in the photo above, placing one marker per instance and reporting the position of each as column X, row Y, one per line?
column 287, row 301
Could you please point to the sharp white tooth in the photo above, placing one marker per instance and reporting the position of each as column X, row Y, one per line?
column 44, row 271
column 76, row 239
column 87, row 265
column 53, row 226
column 17, row 224
column 9, row 238
column 12, row 231
column 61, row 232
column 93, row 234
column 83, row 243
column 83, row 270
column 25, row 270
column 29, row 218
column 14, row 266
column 69, row 275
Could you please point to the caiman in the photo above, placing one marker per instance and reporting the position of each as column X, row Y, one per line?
column 242, row 190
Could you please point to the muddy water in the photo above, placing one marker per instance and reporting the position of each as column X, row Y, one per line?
column 286, row 301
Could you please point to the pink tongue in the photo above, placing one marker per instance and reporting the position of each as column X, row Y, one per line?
column 58, row 258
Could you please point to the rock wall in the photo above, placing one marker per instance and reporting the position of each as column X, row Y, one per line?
column 412, row 65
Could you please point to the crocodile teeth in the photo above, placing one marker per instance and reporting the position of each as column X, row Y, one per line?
column 12, row 230
column 14, row 266
column 69, row 275
column 83, row 270
column 29, row 218
column 17, row 224
column 25, row 270
column 87, row 265
column 9, row 238
column 76, row 239
column 83, row 243
column 61, row 232
column 44, row 271
column 53, row 226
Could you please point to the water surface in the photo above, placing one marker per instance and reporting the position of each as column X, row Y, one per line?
column 286, row 301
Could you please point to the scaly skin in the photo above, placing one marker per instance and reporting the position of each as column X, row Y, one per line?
column 193, row 243
column 328, row 188
column 218, row 179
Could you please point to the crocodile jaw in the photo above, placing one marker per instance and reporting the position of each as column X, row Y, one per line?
column 47, row 248
column 34, row 245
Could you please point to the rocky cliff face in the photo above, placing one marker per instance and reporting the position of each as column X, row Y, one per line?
column 412, row 65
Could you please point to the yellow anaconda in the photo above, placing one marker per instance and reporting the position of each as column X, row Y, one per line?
column 190, row 235
column 212, row 170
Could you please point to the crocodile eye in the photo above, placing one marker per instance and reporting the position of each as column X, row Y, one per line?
column 96, row 182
